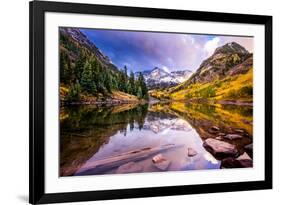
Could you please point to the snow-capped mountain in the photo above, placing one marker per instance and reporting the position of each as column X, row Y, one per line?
column 159, row 78
column 181, row 75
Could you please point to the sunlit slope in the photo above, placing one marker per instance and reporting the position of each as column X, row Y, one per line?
column 114, row 95
column 226, row 75
column 239, row 87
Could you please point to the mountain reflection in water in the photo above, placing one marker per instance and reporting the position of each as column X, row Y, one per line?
column 92, row 135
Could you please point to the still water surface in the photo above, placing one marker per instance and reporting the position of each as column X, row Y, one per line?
column 90, row 134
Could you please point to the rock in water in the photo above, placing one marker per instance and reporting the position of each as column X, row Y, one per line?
column 160, row 162
column 158, row 158
column 243, row 161
column 130, row 167
column 220, row 148
column 191, row 152
column 213, row 129
column 234, row 163
column 154, row 128
column 249, row 147
column 232, row 136
column 246, row 163
column 239, row 131
column 244, row 156
column 163, row 165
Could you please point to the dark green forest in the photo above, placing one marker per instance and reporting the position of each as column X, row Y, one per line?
column 81, row 72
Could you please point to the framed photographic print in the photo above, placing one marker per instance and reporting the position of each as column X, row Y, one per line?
column 140, row 102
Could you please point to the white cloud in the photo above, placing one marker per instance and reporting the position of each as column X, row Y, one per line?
column 211, row 45
column 187, row 40
column 246, row 42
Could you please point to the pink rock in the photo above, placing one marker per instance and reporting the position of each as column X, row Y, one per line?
column 160, row 162
column 220, row 148
column 191, row 152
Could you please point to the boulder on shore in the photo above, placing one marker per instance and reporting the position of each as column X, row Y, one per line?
column 219, row 148
column 232, row 136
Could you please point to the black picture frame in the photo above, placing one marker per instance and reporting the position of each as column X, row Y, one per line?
column 37, row 194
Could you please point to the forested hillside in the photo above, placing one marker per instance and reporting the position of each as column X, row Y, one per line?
column 87, row 75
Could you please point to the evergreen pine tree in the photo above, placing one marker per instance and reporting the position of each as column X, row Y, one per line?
column 142, row 86
column 79, row 65
column 131, row 87
column 65, row 68
column 74, row 92
column 139, row 92
column 87, row 79
column 108, row 81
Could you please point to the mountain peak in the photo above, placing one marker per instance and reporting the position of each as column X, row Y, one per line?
column 158, row 72
column 217, row 66
column 231, row 47
column 160, row 78
column 157, row 69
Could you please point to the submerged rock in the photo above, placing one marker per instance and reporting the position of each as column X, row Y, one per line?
column 160, row 162
column 220, row 148
column 191, row 152
column 232, row 136
column 243, row 161
column 130, row 167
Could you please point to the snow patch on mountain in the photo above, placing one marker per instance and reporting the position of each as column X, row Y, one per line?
column 161, row 78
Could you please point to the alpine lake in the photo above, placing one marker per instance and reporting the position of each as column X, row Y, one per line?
column 151, row 137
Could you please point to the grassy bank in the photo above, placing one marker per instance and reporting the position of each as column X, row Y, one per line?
column 115, row 97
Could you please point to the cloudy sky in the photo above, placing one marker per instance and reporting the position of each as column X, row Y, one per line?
column 145, row 50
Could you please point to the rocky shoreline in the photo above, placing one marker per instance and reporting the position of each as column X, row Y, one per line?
column 227, row 151
column 103, row 102
column 118, row 101
column 223, row 102
column 235, row 102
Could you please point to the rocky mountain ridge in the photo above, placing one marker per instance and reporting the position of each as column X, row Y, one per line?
column 225, row 61
column 159, row 78
column 83, row 40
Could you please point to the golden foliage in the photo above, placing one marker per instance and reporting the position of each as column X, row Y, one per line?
column 239, row 87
